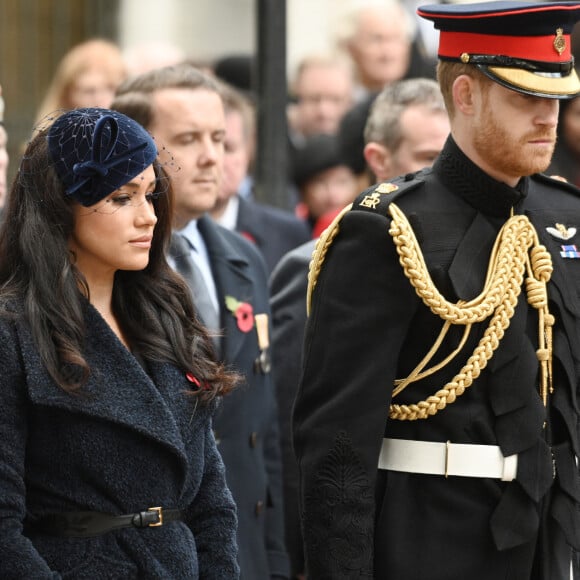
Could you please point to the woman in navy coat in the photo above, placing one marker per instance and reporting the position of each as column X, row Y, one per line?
column 108, row 463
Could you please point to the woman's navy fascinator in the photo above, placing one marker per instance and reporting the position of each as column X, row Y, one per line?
column 96, row 151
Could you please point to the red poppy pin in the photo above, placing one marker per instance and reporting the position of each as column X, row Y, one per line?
column 248, row 237
column 198, row 384
column 243, row 312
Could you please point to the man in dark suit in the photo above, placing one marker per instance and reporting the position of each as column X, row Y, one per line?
column 182, row 108
column 274, row 231
column 405, row 131
column 436, row 423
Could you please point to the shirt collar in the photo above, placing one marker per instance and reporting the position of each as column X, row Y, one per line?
column 191, row 233
column 229, row 218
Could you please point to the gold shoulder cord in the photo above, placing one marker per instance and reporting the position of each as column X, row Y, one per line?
column 516, row 250
column 320, row 250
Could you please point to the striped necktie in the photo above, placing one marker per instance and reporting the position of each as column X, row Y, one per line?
column 180, row 250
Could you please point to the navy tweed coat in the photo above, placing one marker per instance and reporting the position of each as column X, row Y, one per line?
column 130, row 441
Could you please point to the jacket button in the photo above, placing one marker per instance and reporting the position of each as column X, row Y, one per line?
column 216, row 437
column 259, row 507
column 253, row 439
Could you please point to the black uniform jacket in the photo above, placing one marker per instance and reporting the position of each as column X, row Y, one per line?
column 368, row 327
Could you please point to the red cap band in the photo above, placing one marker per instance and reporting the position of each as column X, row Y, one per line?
column 540, row 48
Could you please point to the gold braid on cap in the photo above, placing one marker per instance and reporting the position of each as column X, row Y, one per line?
column 516, row 250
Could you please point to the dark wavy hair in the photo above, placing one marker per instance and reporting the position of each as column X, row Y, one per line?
column 153, row 306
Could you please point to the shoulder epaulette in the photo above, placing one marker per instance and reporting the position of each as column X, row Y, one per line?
column 378, row 197
column 374, row 199
column 558, row 182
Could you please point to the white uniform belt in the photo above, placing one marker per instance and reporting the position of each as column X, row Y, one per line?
column 446, row 459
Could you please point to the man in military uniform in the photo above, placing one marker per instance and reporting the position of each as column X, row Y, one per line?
column 436, row 424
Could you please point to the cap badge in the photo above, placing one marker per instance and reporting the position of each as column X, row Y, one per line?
column 561, row 232
column 263, row 363
column 560, row 41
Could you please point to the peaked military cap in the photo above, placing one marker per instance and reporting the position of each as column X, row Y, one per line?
column 523, row 46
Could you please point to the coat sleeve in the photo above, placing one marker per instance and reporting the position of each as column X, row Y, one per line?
column 19, row 558
column 288, row 285
column 360, row 315
column 212, row 517
column 275, row 543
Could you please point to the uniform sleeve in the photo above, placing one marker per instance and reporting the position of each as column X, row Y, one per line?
column 18, row 559
column 212, row 518
column 361, row 308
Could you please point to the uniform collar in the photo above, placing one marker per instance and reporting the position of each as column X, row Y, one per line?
column 476, row 187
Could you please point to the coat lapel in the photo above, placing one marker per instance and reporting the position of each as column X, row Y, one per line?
column 118, row 390
column 232, row 277
column 247, row 225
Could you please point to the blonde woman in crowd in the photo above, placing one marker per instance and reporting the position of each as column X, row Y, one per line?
column 87, row 76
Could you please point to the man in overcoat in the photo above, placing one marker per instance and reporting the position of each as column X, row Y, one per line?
column 183, row 109
column 436, row 424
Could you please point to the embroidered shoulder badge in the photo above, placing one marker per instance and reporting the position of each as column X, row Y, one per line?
column 386, row 188
column 373, row 199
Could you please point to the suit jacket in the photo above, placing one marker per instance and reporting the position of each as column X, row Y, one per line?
column 130, row 441
column 288, row 284
column 274, row 231
column 363, row 522
column 246, row 425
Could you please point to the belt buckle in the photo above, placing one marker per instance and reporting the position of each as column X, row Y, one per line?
column 159, row 511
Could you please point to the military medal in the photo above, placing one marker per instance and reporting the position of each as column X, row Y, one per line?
column 570, row 252
column 262, row 363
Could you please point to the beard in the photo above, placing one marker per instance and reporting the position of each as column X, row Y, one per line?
column 510, row 155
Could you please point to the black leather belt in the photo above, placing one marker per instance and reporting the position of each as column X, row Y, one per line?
column 90, row 524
